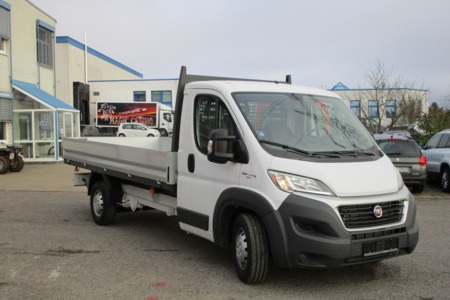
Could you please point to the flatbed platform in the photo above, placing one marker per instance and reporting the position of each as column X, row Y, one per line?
column 134, row 157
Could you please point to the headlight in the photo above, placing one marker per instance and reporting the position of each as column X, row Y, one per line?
column 292, row 183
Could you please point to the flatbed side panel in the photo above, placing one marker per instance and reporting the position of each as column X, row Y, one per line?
column 136, row 157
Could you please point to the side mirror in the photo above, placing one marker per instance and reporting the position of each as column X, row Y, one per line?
column 223, row 147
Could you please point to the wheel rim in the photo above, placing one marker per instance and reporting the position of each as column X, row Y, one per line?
column 97, row 203
column 444, row 180
column 241, row 248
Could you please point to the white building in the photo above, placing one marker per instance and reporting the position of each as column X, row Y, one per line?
column 30, row 113
column 402, row 106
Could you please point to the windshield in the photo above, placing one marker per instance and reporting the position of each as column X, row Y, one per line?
column 307, row 123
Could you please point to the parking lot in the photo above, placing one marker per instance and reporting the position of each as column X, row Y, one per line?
column 51, row 249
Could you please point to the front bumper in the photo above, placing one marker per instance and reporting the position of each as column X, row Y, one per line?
column 309, row 233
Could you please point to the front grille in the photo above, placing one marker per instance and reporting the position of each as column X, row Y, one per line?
column 361, row 216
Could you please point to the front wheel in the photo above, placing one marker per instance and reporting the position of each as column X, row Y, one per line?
column 103, row 209
column 444, row 180
column 251, row 250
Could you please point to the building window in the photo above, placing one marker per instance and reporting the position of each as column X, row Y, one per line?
column 373, row 109
column 2, row 131
column 45, row 47
column 5, row 26
column 2, row 44
column 164, row 97
column 139, row 96
column 390, row 108
column 355, row 106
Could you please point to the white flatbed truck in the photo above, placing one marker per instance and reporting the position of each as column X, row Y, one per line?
column 269, row 170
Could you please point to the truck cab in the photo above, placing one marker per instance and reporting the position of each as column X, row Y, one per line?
column 295, row 164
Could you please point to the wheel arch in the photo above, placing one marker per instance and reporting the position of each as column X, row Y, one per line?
column 234, row 201
column 113, row 184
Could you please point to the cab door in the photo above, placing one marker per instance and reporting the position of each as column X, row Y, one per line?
column 200, row 182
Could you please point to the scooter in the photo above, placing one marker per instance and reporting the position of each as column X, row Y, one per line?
column 11, row 158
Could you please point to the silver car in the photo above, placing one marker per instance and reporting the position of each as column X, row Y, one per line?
column 437, row 151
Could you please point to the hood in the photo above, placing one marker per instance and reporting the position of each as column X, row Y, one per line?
column 346, row 179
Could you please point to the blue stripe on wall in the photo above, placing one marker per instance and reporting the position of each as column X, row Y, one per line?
column 71, row 41
column 5, row 5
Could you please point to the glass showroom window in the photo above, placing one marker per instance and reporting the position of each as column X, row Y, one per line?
column 23, row 129
column 44, row 134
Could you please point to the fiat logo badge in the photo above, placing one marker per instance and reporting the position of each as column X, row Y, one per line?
column 377, row 211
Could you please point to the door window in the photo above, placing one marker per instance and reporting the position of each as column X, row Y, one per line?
column 433, row 142
column 445, row 141
column 210, row 114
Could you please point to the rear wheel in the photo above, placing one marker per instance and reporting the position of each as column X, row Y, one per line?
column 122, row 135
column 251, row 250
column 4, row 165
column 444, row 179
column 103, row 209
column 16, row 165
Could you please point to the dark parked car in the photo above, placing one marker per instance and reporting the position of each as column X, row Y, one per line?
column 406, row 155
column 392, row 134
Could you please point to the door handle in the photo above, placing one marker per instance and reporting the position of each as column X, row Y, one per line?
column 191, row 163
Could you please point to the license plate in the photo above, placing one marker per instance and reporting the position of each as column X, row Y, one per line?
column 11, row 155
column 380, row 247
column 404, row 170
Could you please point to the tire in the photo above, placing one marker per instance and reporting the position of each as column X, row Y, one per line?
column 163, row 132
column 445, row 176
column 250, row 249
column 103, row 209
column 121, row 135
column 4, row 165
column 418, row 188
column 16, row 165
column 151, row 135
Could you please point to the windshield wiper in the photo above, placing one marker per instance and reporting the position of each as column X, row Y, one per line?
column 357, row 153
column 302, row 152
column 287, row 147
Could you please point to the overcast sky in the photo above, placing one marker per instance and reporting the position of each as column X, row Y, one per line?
column 318, row 42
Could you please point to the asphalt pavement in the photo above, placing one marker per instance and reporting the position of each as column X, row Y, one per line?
column 58, row 177
column 41, row 177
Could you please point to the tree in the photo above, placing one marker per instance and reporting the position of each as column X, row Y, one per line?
column 390, row 99
column 435, row 120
